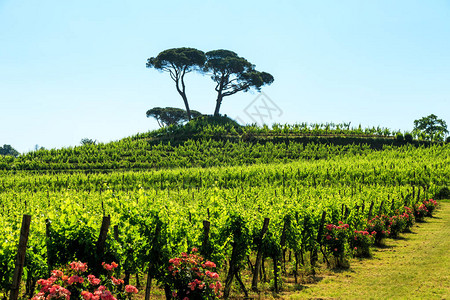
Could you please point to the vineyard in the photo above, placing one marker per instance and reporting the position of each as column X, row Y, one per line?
column 259, row 211
column 201, row 143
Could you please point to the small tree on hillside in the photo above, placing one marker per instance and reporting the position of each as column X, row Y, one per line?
column 233, row 74
column 87, row 141
column 177, row 62
column 170, row 115
column 8, row 150
column 430, row 128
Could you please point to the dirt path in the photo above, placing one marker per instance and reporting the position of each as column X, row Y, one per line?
column 416, row 266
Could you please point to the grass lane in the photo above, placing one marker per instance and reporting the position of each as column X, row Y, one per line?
column 416, row 266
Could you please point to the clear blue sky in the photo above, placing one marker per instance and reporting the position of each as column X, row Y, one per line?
column 76, row 69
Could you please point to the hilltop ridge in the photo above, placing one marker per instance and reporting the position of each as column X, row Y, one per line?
column 211, row 141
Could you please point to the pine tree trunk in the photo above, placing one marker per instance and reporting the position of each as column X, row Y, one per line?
column 218, row 103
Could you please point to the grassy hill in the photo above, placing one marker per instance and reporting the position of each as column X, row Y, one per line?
column 211, row 141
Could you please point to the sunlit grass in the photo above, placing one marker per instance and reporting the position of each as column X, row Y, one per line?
column 416, row 266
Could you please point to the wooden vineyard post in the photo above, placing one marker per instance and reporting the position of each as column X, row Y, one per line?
column 233, row 271
column 354, row 225
column 20, row 259
column 116, row 237
column 278, row 261
column 116, row 232
column 314, row 255
column 259, row 254
column 282, row 260
column 262, row 272
column 381, row 208
column 275, row 274
column 369, row 216
column 103, row 234
column 418, row 194
column 151, row 265
column 48, row 243
column 346, row 213
column 205, row 248
column 100, row 246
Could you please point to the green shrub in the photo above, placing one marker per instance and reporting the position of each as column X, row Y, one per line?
column 400, row 137
column 442, row 193
column 408, row 137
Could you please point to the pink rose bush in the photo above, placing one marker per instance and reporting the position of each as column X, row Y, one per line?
column 408, row 217
column 431, row 205
column 420, row 212
column 398, row 224
column 71, row 283
column 340, row 241
column 190, row 277
column 335, row 240
column 379, row 227
column 360, row 243
column 424, row 209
